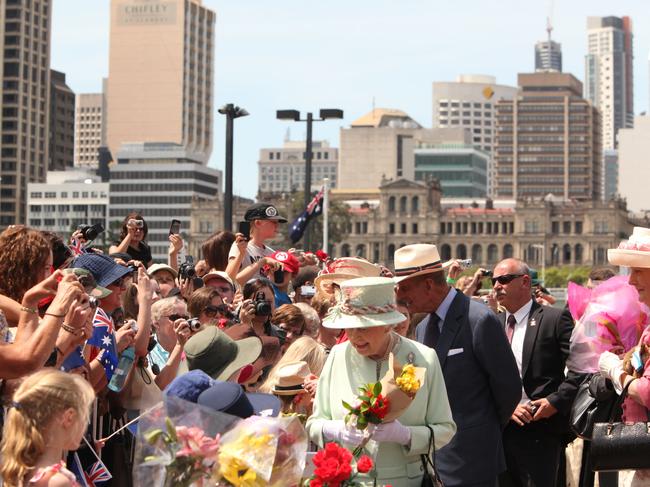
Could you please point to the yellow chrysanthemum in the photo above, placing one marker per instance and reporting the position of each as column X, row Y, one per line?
column 234, row 469
column 407, row 381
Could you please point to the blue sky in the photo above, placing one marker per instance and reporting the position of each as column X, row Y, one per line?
column 308, row 55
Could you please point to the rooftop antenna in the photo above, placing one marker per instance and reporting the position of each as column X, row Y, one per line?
column 549, row 22
column 287, row 136
column 373, row 107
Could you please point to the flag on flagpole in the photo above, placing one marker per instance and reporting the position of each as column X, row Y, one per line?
column 299, row 225
column 102, row 342
column 77, row 247
column 97, row 474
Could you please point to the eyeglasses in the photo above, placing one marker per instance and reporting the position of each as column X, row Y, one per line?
column 212, row 311
column 175, row 317
column 506, row 278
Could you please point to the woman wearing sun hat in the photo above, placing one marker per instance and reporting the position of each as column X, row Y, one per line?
column 635, row 254
column 366, row 309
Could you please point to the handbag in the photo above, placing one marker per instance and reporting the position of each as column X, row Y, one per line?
column 140, row 391
column 620, row 446
column 431, row 478
column 593, row 404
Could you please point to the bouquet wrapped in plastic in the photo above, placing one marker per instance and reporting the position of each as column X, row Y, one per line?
column 178, row 444
column 262, row 451
column 611, row 318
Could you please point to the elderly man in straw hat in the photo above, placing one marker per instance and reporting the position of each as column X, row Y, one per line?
column 366, row 309
column 480, row 371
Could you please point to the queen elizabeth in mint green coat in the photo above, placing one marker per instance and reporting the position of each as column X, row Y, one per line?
column 366, row 310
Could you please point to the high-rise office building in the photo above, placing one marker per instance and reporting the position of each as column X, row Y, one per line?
column 25, row 95
column 548, row 56
column 89, row 129
column 380, row 145
column 62, row 103
column 548, row 140
column 469, row 102
column 161, row 74
column 162, row 181
column 609, row 74
column 634, row 170
column 282, row 170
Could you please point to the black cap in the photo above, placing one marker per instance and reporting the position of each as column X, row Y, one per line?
column 263, row 211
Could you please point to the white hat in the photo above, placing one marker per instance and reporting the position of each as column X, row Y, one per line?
column 218, row 275
column 416, row 260
column 161, row 267
column 290, row 378
column 363, row 303
column 344, row 268
column 634, row 252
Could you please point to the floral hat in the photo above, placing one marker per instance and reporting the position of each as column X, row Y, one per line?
column 363, row 303
column 633, row 252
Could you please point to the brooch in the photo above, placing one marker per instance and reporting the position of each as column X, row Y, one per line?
column 410, row 357
column 532, row 322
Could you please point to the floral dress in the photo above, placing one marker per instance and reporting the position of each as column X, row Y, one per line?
column 46, row 473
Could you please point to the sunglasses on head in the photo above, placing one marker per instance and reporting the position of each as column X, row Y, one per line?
column 175, row 317
column 506, row 278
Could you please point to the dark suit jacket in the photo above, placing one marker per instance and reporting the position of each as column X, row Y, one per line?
column 545, row 351
column 483, row 387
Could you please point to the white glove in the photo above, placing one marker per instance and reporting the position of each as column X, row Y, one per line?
column 337, row 430
column 393, row 431
column 611, row 367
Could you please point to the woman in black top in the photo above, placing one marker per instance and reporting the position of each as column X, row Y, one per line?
column 134, row 231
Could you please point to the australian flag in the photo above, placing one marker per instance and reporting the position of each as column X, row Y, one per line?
column 299, row 225
column 95, row 475
column 74, row 360
column 102, row 342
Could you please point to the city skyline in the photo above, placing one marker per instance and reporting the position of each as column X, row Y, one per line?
column 262, row 53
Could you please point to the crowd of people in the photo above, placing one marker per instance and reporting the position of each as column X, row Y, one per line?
column 89, row 340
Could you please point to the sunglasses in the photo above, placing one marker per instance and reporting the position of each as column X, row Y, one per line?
column 212, row 311
column 506, row 278
column 175, row 317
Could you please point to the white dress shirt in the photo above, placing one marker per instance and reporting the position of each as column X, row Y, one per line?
column 521, row 315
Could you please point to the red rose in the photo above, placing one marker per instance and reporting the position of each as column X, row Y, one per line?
column 364, row 464
column 322, row 256
column 380, row 407
column 332, row 464
column 315, row 483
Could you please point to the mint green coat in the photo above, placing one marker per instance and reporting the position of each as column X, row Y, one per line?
column 346, row 370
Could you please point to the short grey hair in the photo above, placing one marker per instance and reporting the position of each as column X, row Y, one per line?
column 163, row 307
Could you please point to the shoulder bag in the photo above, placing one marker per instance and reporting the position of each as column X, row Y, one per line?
column 431, row 478
column 620, row 446
column 593, row 404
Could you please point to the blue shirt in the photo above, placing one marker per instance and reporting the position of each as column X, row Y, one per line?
column 280, row 297
column 158, row 356
column 442, row 310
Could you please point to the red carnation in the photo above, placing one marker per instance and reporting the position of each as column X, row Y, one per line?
column 364, row 464
column 322, row 256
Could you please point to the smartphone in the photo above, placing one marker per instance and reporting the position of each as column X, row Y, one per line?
column 175, row 227
column 278, row 276
column 245, row 229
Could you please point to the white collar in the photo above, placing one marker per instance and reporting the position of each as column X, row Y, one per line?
column 522, row 312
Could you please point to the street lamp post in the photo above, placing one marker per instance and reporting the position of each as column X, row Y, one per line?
column 294, row 115
column 543, row 247
column 231, row 112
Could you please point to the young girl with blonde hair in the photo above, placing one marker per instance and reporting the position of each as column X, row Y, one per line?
column 303, row 349
column 48, row 416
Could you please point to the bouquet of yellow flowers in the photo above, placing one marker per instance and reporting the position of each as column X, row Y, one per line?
column 400, row 384
column 262, row 452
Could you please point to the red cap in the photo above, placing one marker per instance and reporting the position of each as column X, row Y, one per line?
column 288, row 260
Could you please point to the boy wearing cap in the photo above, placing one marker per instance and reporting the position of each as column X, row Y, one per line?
column 264, row 219
column 289, row 267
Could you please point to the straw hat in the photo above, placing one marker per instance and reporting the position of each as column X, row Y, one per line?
column 634, row 252
column 364, row 303
column 340, row 270
column 290, row 378
column 416, row 260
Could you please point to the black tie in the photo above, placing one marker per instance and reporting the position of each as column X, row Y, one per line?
column 432, row 331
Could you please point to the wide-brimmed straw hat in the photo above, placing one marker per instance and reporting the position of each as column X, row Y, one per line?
column 363, row 303
column 634, row 252
column 340, row 270
column 416, row 260
column 290, row 378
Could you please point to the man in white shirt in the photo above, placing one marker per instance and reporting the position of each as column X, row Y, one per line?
column 250, row 260
column 534, row 440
